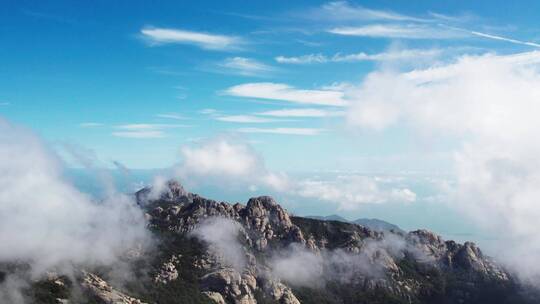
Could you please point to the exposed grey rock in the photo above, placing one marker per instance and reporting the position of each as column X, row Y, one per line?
column 104, row 292
column 235, row 287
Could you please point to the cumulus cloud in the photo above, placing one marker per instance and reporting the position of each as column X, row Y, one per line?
column 491, row 103
column 46, row 222
column 225, row 161
column 228, row 162
column 159, row 36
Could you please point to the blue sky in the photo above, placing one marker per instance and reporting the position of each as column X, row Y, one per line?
column 309, row 91
column 67, row 65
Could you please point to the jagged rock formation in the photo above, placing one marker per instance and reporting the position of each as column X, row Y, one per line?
column 268, row 227
column 336, row 262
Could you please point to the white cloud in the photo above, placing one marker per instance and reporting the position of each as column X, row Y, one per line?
column 174, row 116
column 302, row 112
column 219, row 157
column 144, row 130
column 246, row 66
column 284, row 131
column 278, row 91
column 244, row 119
column 406, row 54
column 351, row 191
column 208, row 111
column 491, row 36
column 304, row 59
column 227, row 162
column 221, row 235
column 495, row 37
column 208, row 41
column 46, row 222
column 404, row 31
column 491, row 103
column 343, row 11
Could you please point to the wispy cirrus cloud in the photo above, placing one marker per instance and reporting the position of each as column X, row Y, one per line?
column 237, row 118
column 304, row 59
column 144, row 130
column 283, row 131
column 302, row 112
column 398, row 30
column 174, row 116
column 496, row 37
column 385, row 56
column 245, row 119
column 344, row 11
column 245, row 66
column 160, row 36
column 284, row 92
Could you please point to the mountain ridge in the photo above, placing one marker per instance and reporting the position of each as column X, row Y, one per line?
column 216, row 252
column 372, row 223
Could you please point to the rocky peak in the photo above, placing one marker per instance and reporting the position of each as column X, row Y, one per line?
column 171, row 191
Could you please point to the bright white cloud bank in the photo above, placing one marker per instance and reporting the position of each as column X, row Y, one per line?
column 45, row 221
column 351, row 191
column 227, row 162
column 493, row 104
column 230, row 163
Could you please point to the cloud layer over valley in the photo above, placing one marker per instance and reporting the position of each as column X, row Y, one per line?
column 47, row 222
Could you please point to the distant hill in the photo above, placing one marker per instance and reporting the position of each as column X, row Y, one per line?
column 333, row 217
column 377, row 225
column 373, row 224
